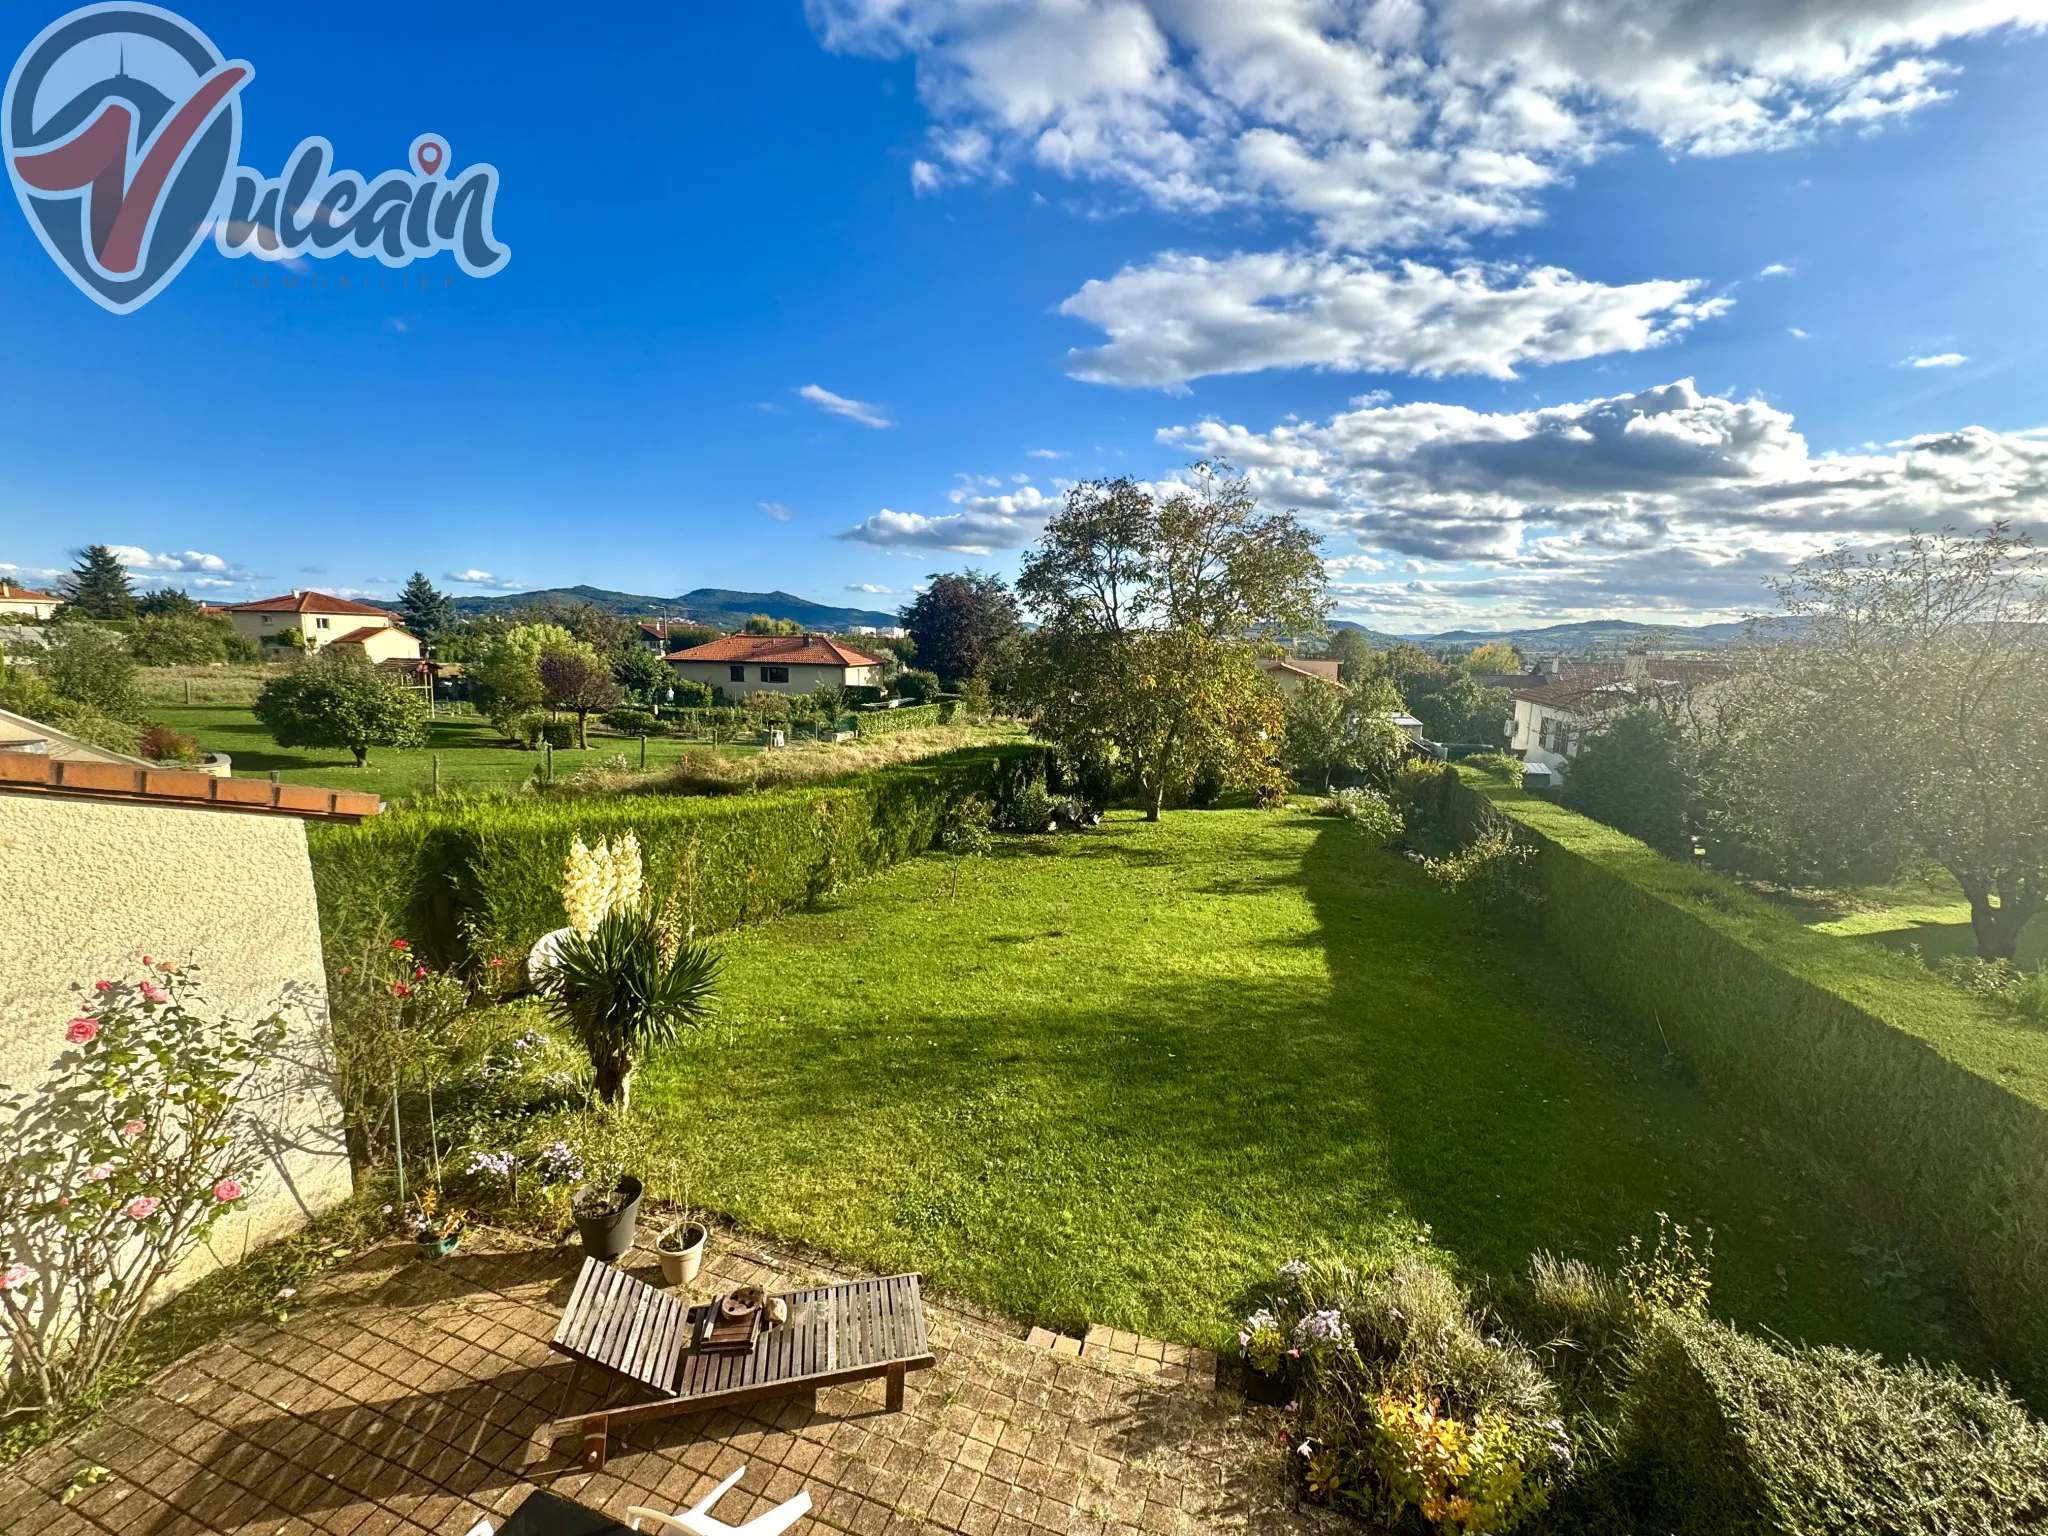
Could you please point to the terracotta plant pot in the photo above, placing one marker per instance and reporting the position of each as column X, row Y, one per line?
column 681, row 1251
column 609, row 1235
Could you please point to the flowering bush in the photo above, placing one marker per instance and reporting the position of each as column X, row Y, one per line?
column 116, row 1168
column 398, row 1021
column 1262, row 1343
column 597, row 881
column 1462, row 1475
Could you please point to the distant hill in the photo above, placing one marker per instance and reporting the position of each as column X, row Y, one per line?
column 1597, row 637
column 708, row 605
column 1378, row 639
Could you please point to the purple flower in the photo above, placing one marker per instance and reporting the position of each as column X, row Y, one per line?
column 1325, row 1327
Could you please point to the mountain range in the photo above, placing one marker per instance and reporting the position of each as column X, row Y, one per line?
column 1592, row 637
column 707, row 605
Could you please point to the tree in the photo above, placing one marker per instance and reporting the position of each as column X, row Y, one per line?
column 1639, row 773
column 578, row 682
column 168, row 602
column 1332, row 729
column 1496, row 656
column 1144, row 662
column 90, row 666
column 1450, row 704
column 627, row 985
column 962, row 625
column 341, row 699
column 1352, row 653
column 644, row 675
column 761, row 624
column 426, row 612
column 1910, row 717
column 505, row 678
column 97, row 587
column 683, row 637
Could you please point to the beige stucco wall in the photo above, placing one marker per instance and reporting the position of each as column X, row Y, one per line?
column 804, row 677
column 267, row 626
column 87, row 888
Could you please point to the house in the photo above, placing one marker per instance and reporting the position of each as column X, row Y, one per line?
column 320, row 620
column 1290, row 672
column 881, row 631
column 1558, row 703
column 744, row 664
column 126, row 860
column 27, row 604
column 379, row 642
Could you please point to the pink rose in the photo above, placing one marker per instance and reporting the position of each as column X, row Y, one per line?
column 418, row 971
column 99, row 1171
column 133, row 1129
column 401, row 989
column 141, row 1208
column 226, row 1190
column 103, row 986
column 155, row 993
column 14, row 1277
column 81, row 1031
column 400, row 944
column 147, row 961
column 497, row 962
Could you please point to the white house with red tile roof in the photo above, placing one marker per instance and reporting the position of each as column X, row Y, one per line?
column 381, row 643
column 1558, row 704
column 744, row 664
column 1288, row 673
column 320, row 620
column 22, row 602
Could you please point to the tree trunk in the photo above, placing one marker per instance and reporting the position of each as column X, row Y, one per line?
column 582, row 729
column 362, row 756
column 1157, row 802
column 611, row 1080
column 1997, row 928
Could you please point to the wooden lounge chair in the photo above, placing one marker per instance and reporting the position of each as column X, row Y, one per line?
column 632, row 1330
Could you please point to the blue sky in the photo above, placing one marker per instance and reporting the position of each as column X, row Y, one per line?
column 1435, row 277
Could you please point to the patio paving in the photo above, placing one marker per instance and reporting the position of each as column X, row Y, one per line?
column 400, row 1397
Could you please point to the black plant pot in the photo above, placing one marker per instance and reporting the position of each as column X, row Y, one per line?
column 1270, row 1387
column 610, row 1236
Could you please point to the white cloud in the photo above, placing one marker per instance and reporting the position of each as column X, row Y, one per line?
column 854, row 410
column 1938, row 360
column 1181, row 317
column 873, row 590
column 1776, row 269
column 36, row 577
column 985, row 523
column 774, row 509
column 476, row 578
column 1665, row 500
column 1797, row 334
column 189, row 568
column 1044, row 453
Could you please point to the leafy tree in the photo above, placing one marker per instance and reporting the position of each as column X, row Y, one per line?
column 1496, row 656
column 1639, row 772
column 505, row 678
column 174, row 639
column 1332, row 729
column 644, row 675
column 918, row 686
column 1352, row 653
column 92, row 666
column 683, row 637
column 1148, row 605
column 341, row 699
column 605, row 632
column 169, row 601
column 1450, row 704
column 97, row 587
column 693, row 695
column 426, row 611
column 962, row 625
column 1909, row 717
column 578, row 682
column 761, row 624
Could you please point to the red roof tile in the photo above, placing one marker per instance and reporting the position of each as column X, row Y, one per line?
column 12, row 593
column 34, row 773
column 798, row 650
column 356, row 636
column 309, row 602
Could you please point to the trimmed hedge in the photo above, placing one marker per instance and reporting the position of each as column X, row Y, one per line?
column 1722, row 1435
column 462, row 877
column 1935, row 1106
column 885, row 722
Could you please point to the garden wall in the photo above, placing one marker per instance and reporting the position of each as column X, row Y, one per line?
column 1936, row 1106
column 466, row 878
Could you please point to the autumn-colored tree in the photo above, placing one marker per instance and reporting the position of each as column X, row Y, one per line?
column 962, row 625
column 579, row 683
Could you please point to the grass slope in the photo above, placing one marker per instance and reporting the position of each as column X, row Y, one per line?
column 1127, row 1072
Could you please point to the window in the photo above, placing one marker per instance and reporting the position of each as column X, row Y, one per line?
column 319, row 623
column 739, row 674
column 775, row 674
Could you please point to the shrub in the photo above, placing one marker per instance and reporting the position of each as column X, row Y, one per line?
column 918, row 686
column 1494, row 871
column 90, row 665
column 883, row 722
column 1501, row 765
column 2001, row 983
column 692, row 695
column 1724, row 1434
column 1936, row 1103
column 1365, row 809
column 1022, row 805
column 117, row 1168
column 161, row 744
column 628, row 984
column 1418, row 791
column 559, row 734
column 633, row 722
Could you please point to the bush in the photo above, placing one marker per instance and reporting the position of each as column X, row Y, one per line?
column 1365, row 809
column 559, row 734
column 882, row 722
column 91, row 666
column 1722, row 1434
column 1936, row 1103
column 919, row 687
column 2001, row 983
column 691, row 695
column 1495, row 872
column 1021, row 802
column 467, row 876
column 161, row 744
column 633, row 722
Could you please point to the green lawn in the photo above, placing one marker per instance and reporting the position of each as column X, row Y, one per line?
column 471, row 752
column 1127, row 1072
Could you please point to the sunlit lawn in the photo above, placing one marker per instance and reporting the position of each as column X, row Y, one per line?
column 1126, row 1072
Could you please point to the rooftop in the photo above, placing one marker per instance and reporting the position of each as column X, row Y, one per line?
column 800, row 650
column 9, row 591
column 114, row 778
column 309, row 602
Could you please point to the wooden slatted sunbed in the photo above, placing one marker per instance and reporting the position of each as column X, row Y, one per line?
column 622, row 1325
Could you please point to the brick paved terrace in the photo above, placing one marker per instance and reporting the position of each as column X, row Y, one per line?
column 400, row 1397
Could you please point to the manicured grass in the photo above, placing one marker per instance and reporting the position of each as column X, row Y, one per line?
column 472, row 754
column 1127, row 1072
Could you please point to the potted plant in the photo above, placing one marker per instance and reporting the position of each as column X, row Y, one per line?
column 1262, row 1349
column 435, row 1227
column 681, row 1250
column 607, row 1212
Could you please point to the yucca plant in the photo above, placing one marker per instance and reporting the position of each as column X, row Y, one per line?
column 625, row 986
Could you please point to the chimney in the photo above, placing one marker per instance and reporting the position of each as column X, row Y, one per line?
column 1551, row 666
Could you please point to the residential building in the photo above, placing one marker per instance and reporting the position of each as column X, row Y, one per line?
column 744, row 664
column 881, row 631
column 1561, row 701
column 320, row 620
column 27, row 604
column 380, row 642
column 1290, row 672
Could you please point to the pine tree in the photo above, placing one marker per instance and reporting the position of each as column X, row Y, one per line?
column 97, row 587
column 427, row 611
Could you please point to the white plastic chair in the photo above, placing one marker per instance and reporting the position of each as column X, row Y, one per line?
column 698, row 1522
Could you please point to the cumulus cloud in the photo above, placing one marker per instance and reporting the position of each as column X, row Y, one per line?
column 1938, row 360
column 1664, row 500
column 1776, row 269
column 189, row 568
column 1180, row 317
column 853, row 410
column 986, row 522
column 476, row 578
column 873, row 590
